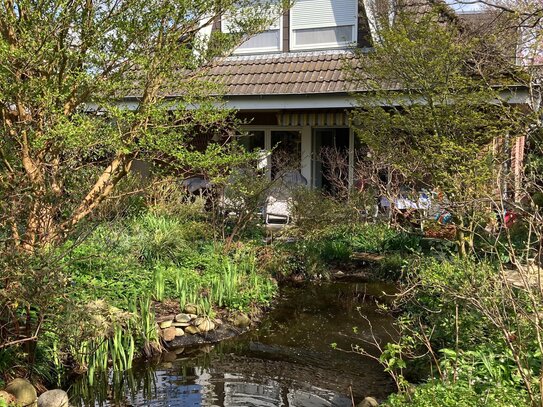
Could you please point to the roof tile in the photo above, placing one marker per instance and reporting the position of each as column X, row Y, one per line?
column 289, row 73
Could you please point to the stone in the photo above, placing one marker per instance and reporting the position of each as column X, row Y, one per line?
column 23, row 391
column 169, row 357
column 181, row 324
column 206, row 325
column 163, row 318
column 179, row 351
column 191, row 330
column 191, row 309
column 241, row 320
column 192, row 316
column 5, row 396
column 368, row 402
column 179, row 332
column 207, row 348
column 166, row 324
column 218, row 321
column 198, row 321
column 54, row 398
column 168, row 334
column 182, row 318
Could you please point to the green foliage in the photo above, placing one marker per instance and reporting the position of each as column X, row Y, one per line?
column 382, row 238
column 433, row 108
column 434, row 303
column 170, row 257
column 70, row 140
column 463, row 312
column 440, row 126
column 459, row 394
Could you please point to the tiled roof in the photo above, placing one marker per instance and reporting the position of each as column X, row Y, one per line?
column 283, row 74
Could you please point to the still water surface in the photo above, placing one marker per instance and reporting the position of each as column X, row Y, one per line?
column 287, row 361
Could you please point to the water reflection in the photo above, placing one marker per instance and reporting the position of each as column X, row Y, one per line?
column 288, row 361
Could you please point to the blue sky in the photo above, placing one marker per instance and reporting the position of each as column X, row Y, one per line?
column 464, row 5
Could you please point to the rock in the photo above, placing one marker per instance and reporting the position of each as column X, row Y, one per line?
column 181, row 324
column 163, row 318
column 241, row 320
column 368, row 402
column 192, row 316
column 5, row 396
column 166, row 324
column 206, row 348
column 191, row 309
column 23, row 391
column 206, row 325
column 218, row 321
column 169, row 357
column 179, row 332
column 198, row 321
column 182, row 318
column 168, row 334
column 179, row 351
column 53, row 398
column 191, row 330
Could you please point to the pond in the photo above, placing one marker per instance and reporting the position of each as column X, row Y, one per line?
column 288, row 361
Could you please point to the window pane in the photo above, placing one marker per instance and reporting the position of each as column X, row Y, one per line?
column 267, row 40
column 287, row 153
column 328, row 35
column 253, row 140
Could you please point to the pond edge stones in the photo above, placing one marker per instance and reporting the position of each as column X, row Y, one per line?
column 21, row 392
column 173, row 326
column 54, row 398
column 24, row 392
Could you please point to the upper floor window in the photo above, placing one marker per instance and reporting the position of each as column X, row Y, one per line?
column 317, row 24
column 266, row 41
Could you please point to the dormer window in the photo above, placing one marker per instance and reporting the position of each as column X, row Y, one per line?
column 320, row 24
column 265, row 41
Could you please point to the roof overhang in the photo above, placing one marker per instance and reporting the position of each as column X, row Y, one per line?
column 515, row 95
column 283, row 102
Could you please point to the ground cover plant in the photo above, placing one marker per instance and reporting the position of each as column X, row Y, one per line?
column 92, row 300
column 68, row 146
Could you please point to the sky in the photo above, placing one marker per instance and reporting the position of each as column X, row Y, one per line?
column 464, row 5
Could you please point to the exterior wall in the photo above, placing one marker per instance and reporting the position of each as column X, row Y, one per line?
column 341, row 9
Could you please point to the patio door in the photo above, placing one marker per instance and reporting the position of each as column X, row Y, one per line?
column 330, row 158
column 287, row 151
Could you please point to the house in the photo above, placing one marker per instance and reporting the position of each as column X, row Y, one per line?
column 288, row 82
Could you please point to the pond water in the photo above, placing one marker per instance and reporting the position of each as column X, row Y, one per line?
column 288, row 361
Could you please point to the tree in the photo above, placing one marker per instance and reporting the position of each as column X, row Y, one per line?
column 84, row 89
column 433, row 106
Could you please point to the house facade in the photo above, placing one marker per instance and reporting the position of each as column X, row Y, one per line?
column 288, row 83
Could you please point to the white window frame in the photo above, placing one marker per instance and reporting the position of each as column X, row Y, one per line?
column 258, row 50
column 267, row 141
column 328, row 45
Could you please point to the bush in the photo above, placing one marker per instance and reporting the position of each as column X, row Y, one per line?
column 459, row 394
column 467, row 321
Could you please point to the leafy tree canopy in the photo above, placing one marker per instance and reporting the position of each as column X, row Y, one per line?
column 434, row 103
column 84, row 88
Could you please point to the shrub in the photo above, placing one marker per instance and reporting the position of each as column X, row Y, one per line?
column 459, row 394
